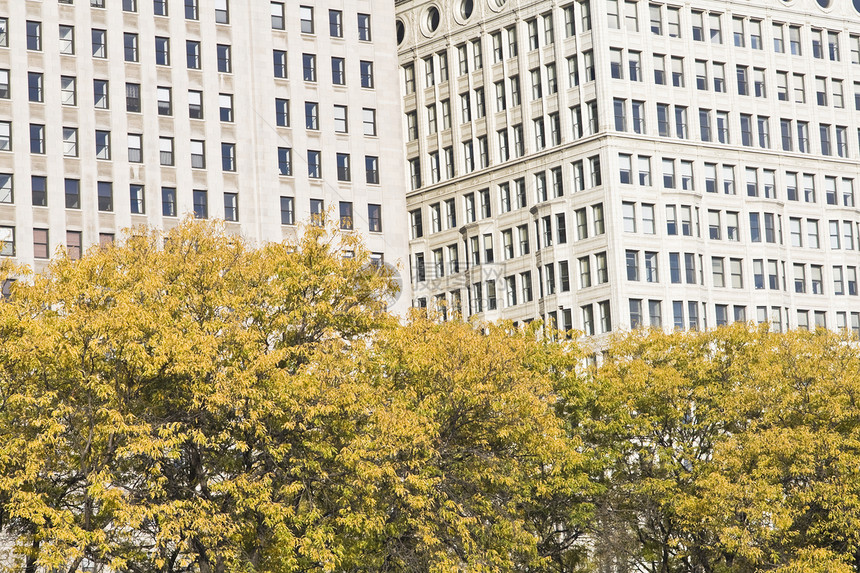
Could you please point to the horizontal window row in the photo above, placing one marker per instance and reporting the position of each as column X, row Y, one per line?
column 159, row 8
column 683, row 220
column 760, row 183
column 169, row 208
column 726, row 272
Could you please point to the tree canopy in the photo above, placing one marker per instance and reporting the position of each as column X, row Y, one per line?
column 185, row 402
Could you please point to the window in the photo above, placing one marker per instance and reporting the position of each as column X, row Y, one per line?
column 70, row 141
column 4, row 32
column 369, row 119
column 34, row 35
column 67, row 39
column 366, row 74
column 129, row 5
column 277, row 15
column 41, row 249
column 73, row 244
column 288, row 211
column 100, row 94
column 37, row 138
column 343, row 171
column 5, row 135
column 105, row 195
column 73, row 193
column 192, row 54
column 282, row 112
column 162, row 51
column 136, row 197
column 165, row 147
column 225, row 59
column 35, row 91
column 168, row 201
column 165, row 103
column 225, row 105
column 306, row 19
column 335, row 23
column 201, row 204
column 4, row 84
column 231, row 206
column 309, row 68
column 228, row 156
column 6, row 192
column 195, row 104
column 314, row 164
column 317, row 212
column 409, row 78
column 371, row 165
column 374, row 218
column 191, row 9
column 130, row 47
column 311, row 115
column 279, row 58
column 678, row 72
column 159, row 7
column 285, row 161
column 198, row 154
column 338, row 68
column 222, row 12
column 341, row 124
column 364, row 27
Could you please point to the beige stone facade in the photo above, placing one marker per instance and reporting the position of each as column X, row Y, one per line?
column 612, row 163
column 121, row 112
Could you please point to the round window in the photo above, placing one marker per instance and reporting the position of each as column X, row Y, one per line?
column 825, row 3
column 496, row 4
column 466, row 8
column 401, row 32
column 432, row 18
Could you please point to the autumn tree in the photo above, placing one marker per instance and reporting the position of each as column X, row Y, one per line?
column 734, row 450
column 185, row 402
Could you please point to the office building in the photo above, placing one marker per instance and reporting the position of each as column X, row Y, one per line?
column 116, row 113
column 607, row 164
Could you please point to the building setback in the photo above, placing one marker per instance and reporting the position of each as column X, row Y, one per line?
column 607, row 164
column 120, row 112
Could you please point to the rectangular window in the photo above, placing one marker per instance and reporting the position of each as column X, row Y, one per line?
column 195, row 104
column 105, row 196
column 225, row 58
column 309, row 68
column 282, row 112
column 222, row 12
column 231, row 206
column 371, row 164
column 314, row 164
column 343, row 170
column 165, row 148
column 198, row 154
column 285, row 163
column 162, row 51
column 366, row 69
column 72, row 193
column 35, row 89
column 228, row 156
column 200, row 203
column 164, row 98
column 132, row 97
column 34, row 35
column 279, row 58
column 136, row 198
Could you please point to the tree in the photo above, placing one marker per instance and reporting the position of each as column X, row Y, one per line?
column 734, row 450
column 472, row 467
column 186, row 403
column 148, row 419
